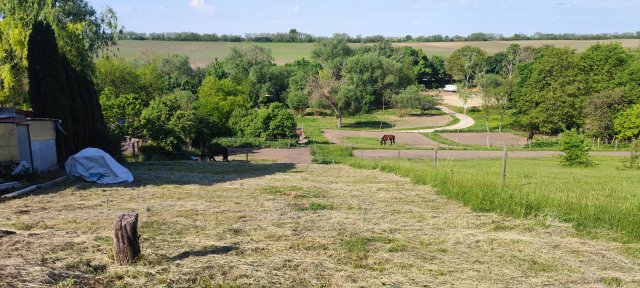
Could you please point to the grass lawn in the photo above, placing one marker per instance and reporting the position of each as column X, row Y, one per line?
column 272, row 225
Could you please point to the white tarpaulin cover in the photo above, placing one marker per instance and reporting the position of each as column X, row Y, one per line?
column 95, row 165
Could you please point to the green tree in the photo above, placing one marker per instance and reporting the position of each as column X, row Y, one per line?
column 122, row 113
column 491, row 85
column 118, row 76
column 240, row 61
column 371, row 76
column 300, row 70
column 601, row 110
column 323, row 88
column 332, row 53
column 267, row 83
column 410, row 98
column 549, row 93
column 81, row 33
column 627, row 123
column 576, row 149
column 217, row 99
column 465, row 63
column 604, row 65
column 270, row 123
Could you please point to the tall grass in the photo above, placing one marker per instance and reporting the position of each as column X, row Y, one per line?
column 601, row 201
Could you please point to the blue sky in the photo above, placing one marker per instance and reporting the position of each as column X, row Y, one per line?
column 389, row 18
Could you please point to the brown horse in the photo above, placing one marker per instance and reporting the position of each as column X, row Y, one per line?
column 386, row 138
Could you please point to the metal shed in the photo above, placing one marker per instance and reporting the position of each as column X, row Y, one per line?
column 32, row 140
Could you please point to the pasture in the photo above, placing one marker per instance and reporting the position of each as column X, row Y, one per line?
column 202, row 53
column 238, row 225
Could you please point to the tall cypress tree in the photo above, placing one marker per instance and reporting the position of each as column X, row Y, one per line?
column 48, row 87
column 58, row 90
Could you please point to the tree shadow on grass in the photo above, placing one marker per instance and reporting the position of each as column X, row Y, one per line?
column 177, row 173
column 206, row 251
column 368, row 125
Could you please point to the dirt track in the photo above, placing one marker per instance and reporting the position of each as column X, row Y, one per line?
column 465, row 154
column 413, row 139
column 296, row 156
column 486, row 139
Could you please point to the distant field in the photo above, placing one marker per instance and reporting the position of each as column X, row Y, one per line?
column 202, row 53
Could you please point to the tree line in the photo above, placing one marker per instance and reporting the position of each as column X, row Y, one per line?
column 246, row 94
column 551, row 90
column 294, row 36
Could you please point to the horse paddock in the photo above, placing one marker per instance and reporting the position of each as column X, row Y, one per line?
column 486, row 139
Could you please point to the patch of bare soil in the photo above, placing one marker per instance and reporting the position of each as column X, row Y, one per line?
column 295, row 155
column 452, row 98
column 486, row 139
column 242, row 224
column 414, row 139
column 410, row 122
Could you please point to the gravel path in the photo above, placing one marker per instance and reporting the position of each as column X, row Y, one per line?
column 465, row 122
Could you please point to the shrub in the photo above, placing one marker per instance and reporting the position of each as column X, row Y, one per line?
column 633, row 161
column 575, row 148
column 270, row 123
column 155, row 152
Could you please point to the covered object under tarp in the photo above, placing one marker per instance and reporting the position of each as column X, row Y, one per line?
column 95, row 165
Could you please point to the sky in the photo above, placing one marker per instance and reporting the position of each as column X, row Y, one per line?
column 377, row 17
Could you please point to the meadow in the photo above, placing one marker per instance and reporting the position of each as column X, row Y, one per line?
column 600, row 201
column 202, row 53
column 244, row 224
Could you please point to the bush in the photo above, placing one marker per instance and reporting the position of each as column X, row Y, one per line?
column 270, row 123
column 155, row 152
column 575, row 148
column 633, row 161
column 257, row 143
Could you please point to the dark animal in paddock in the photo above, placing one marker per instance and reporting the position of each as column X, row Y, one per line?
column 386, row 138
column 215, row 150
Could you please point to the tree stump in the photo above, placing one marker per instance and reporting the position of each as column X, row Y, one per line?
column 126, row 241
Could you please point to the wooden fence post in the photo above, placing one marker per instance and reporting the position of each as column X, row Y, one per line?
column 435, row 158
column 246, row 156
column 126, row 241
column 333, row 160
column 504, row 168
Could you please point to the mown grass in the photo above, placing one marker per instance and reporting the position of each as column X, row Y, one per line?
column 601, row 201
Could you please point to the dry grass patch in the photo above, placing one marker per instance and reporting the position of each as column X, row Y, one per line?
column 238, row 225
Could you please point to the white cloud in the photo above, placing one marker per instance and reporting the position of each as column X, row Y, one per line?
column 200, row 5
column 296, row 9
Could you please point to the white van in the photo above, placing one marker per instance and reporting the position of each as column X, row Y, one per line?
column 451, row 88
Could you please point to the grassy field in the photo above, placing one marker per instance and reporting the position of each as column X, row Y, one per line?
column 601, row 201
column 275, row 225
column 202, row 53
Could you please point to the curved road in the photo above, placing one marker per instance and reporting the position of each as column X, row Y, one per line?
column 465, row 122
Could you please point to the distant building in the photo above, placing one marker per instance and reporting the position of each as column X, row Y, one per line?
column 23, row 138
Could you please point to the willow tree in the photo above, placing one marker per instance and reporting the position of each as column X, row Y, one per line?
column 80, row 32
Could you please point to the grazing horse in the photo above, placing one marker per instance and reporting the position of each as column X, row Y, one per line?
column 386, row 138
column 215, row 150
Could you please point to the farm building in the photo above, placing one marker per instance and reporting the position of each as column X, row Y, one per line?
column 32, row 140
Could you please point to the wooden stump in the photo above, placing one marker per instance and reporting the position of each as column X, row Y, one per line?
column 126, row 241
